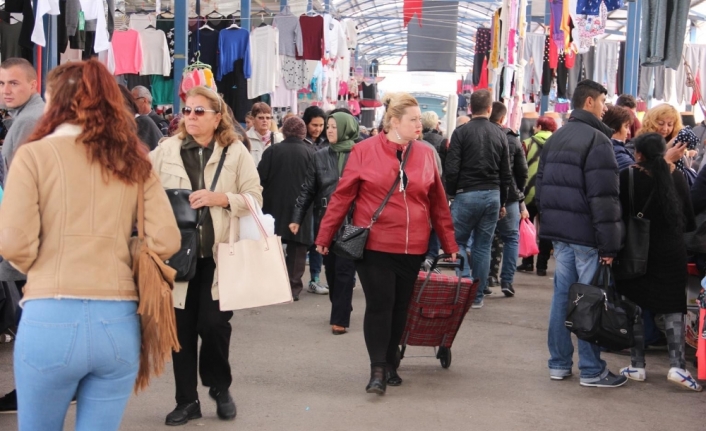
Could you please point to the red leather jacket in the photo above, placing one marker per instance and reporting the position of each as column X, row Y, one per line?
column 405, row 223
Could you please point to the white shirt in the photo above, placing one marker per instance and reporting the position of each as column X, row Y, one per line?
column 155, row 53
column 44, row 7
column 265, row 63
column 93, row 9
column 351, row 33
column 140, row 22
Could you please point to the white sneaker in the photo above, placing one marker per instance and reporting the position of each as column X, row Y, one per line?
column 477, row 304
column 684, row 379
column 634, row 373
column 317, row 288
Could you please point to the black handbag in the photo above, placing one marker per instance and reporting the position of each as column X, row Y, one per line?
column 351, row 241
column 184, row 261
column 631, row 261
column 598, row 315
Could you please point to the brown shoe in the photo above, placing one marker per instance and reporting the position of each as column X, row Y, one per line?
column 338, row 330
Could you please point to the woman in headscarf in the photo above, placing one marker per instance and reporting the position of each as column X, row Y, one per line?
column 325, row 169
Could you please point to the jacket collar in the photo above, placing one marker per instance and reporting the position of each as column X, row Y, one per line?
column 510, row 132
column 590, row 119
column 67, row 129
column 190, row 143
column 382, row 138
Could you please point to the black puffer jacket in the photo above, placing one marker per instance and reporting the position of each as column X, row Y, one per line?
column 578, row 186
column 320, row 183
column 478, row 159
column 518, row 164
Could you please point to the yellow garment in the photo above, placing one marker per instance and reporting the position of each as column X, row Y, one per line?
column 565, row 27
column 495, row 46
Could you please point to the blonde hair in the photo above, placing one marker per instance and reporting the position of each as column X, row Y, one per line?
column 396, row 105
column 430, row 120
column 660, row 112
column 225, row 133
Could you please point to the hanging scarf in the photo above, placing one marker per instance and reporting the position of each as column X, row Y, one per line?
column 348, row 131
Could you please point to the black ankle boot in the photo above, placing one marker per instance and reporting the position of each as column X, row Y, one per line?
column 377, row 384
column 392, row 378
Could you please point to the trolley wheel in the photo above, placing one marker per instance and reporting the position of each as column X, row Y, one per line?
column 444, row 356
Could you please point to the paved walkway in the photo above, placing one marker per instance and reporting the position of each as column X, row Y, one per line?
column 291, row 373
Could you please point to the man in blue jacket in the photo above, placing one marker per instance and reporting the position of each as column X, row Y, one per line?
column 577, row 195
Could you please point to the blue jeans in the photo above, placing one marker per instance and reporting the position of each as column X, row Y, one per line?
column 574, row 263
column 315, row 262
column 434, row 246
column 509, row 231
column 68, row 347
column 476, row 214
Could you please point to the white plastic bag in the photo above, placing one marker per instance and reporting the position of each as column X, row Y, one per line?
column 248, row 226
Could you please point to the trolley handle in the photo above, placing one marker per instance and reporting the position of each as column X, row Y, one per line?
column 434, row 264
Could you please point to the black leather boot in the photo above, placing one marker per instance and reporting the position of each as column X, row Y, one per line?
column 377, row 384
column 392, row 378
column 225, row 406
column 183, row 413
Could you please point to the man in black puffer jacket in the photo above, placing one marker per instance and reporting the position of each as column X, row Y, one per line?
column 577, row 196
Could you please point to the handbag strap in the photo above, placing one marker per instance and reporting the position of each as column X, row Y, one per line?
column 394, row 186
column 641, row 214
column 213, row 184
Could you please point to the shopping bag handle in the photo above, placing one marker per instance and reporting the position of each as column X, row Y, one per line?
column 431, row 270
column 260, row 227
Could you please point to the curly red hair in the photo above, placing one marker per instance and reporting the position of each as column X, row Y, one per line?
column 86, row 94
column 546, row 123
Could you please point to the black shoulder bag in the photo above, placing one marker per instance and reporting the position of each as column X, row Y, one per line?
column 598, row 315
column 632, row 259
column 351, row 242
column 184, row 261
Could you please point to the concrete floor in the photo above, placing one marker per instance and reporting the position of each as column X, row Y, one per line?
column 291, row 373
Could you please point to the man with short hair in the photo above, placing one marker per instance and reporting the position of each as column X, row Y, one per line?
column 577, row 193
column 508, row 229
column 478, row 175
column 143, row 98
column 463, row 119
column 18, row 84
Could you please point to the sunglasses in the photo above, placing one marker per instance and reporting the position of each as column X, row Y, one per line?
column 199, row 111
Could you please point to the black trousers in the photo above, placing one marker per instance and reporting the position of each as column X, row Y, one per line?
column 388, row 282
column 545, row 246
column 340, row 275
column 296, row 265
column 202, row 317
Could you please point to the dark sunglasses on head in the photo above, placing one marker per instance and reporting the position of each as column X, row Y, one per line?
column 199, row 111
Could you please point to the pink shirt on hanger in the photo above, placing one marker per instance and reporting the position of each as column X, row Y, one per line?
column 127, row 51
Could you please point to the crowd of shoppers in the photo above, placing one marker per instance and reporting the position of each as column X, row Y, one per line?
column 315, row 176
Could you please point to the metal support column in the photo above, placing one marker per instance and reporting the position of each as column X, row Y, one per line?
column 327, row 6
column 282, row 5
column 245, row 14
column 181, row 46
column 547, row 20
column 632, row 48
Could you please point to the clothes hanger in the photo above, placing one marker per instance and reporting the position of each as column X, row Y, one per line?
column 206, row 27
column 214, row 14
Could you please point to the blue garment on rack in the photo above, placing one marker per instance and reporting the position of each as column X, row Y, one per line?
column 592, row 7
column 208, row 48
column 233, row 45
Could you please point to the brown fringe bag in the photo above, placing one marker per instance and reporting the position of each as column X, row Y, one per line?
column 155, row 281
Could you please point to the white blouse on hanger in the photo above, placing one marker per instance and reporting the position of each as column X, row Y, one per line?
column 155, row 51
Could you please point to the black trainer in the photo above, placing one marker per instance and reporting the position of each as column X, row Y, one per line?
column 525, row 267
column 225, row 406
column 183, row 413
column 542, row 272
column 507, row 289
column 8, row 403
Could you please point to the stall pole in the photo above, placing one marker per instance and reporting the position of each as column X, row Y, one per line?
column 181, row 51
column 245, row 14
column 547, row 20
column 282, row 5
column 632, row 48
column 327, row 6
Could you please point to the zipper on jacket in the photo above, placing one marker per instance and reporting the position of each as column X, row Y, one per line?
column 201, row 187
column 406, row 244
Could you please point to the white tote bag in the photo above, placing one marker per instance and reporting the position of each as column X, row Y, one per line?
column 252, row 273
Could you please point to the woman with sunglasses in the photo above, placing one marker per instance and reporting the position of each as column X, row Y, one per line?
column 261, row 134
column 399, row 239
column 188, row 160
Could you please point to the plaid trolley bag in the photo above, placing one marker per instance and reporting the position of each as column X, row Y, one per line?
column 436, row 310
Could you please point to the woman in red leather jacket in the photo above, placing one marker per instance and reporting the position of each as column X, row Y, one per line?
column 398, row 240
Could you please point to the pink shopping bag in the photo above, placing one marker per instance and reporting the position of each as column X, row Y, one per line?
column 528, row 239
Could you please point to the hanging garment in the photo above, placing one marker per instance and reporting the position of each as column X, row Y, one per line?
column 140, row 21
column 93, row 10
column 534, row 56
column 290, row 35
column 647, row 74
column 605, row 70
column 9, row 39
column 162, row 90
column 670, row 84
column 266, row 68
column 351, row 33
column 293, row 73
column 311, row 29
column 234, row 87
column 284, row 97
column 547, row 70
column 591, row 7
column 207, row 47
column 155, row 52
column 556, row 8
column 583, row 69
column 694, row 55
column 663, row 31
column 482, row 49
column 44, row 7
column 167, row 26
column 127, row 51
column 495, row 42
column 621, row 67
column 562, row 76
column 411, row 8
column 233, row 45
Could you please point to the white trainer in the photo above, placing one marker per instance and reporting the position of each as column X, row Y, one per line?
column 317, row 288
column 684, row 379
column 634, row 373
